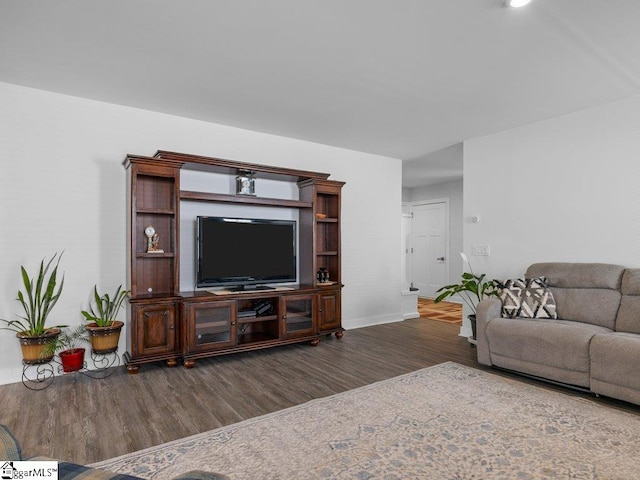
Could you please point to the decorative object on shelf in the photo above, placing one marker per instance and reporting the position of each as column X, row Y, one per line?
column 321, row 215
column 104, row 329
column 38, row 299
column 68, row 347
column 323, row 275
column 245, row 183
column 472, row 289
column 152, row 240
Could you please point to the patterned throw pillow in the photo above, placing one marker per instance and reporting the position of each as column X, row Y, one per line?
column 527, row 298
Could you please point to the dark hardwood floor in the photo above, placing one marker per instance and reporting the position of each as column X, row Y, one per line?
column 85, row 420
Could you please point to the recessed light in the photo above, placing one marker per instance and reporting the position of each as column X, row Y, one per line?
column 517, row 3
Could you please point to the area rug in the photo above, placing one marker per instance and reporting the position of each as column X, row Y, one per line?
column 444, row 422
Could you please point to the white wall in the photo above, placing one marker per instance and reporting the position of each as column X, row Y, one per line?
column 62, row 187
column 566, row 189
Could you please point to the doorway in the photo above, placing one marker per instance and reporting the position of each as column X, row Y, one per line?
column 428, row 254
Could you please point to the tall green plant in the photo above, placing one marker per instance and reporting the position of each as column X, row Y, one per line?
column 38, row 299
column 472, row 288
column 105, row 308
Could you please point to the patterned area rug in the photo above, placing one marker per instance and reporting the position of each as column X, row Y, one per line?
column 443, row 422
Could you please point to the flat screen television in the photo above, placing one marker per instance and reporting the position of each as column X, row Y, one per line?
column 244, row 253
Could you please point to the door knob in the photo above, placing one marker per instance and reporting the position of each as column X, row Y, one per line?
column 440, row 258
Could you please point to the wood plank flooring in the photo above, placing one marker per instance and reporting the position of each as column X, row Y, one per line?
column 85, row 420
column 443, row 311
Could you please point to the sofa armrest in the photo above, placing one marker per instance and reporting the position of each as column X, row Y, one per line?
column 488, row 309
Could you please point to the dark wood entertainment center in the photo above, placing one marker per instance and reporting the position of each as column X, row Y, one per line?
column 168, row 325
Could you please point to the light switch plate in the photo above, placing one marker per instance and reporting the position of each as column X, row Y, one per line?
column 481, row 250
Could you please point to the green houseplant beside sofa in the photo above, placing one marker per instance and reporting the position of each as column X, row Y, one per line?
column 10, row 451
column 594, row 344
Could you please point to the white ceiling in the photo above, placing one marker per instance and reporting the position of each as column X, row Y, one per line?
column 401, row 78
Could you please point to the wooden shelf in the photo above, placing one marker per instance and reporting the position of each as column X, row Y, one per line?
column 155, row 255
column 156, row 211
column 245, row 338
column 213, row 324
column 232, row 167
column 241, row 199
column 265, row 318
column 328, row 254
column 299, row 318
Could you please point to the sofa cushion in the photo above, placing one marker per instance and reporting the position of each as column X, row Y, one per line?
column 553, row 349
column 527, row 298
column 584, row 292
column 9, row 446
column 74, row 471
column 578, row 275
column 628, row 319
column 614, row 366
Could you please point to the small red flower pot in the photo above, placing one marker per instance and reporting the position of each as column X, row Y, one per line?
column 72, row 360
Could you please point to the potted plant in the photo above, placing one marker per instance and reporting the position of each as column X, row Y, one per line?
column 472, row 289
column 68, row 346
column 39, row 297
column 104, row 329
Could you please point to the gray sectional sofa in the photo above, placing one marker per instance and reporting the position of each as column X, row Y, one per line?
column 593, row 344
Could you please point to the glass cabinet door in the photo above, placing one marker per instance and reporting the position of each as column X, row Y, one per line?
column 297, row 317
column 211, row 325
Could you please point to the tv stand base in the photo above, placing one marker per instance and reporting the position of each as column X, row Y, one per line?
column 251, row 288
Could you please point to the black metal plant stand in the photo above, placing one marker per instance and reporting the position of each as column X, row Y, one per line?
column 38, row 376
column 103, row 363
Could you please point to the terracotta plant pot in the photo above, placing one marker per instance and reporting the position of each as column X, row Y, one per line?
column 72, row 360
column 33, row 346
column 104, row 339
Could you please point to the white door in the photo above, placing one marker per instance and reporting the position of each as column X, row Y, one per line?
column 406, row 249
column 429, row 242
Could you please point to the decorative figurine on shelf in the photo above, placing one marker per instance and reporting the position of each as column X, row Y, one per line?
column 152, row 240
column 245, row 183
column 322, row 275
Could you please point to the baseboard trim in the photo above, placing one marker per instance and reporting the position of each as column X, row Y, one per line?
column 371, row 321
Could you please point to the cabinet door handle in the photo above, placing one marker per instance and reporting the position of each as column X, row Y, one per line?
column 172, row 327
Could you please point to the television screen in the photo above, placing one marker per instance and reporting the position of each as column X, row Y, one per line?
column 244, row 252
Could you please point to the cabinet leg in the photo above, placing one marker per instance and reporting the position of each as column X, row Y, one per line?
column 339, row 335
column 315, row 342
column 189, row 363
column 172, row 362
column 133, row 369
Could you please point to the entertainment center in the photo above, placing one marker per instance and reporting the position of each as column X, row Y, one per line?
column 277, row 303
